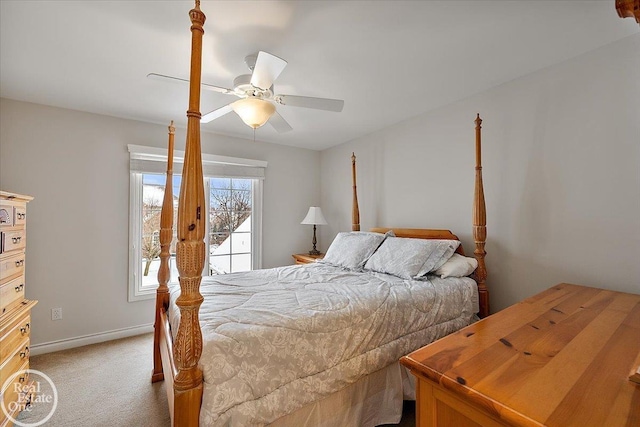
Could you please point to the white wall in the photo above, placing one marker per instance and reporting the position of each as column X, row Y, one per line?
column 76, row 165
column 561, row 163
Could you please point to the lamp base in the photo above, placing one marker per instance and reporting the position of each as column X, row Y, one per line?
column 314, row 251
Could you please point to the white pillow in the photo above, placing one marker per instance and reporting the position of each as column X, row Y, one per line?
column 352, row 249
column 409, row 258
column 457, row 266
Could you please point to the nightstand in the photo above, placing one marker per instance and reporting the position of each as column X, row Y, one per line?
column 306, row 258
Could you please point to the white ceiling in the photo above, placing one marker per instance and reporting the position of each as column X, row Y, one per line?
column 388, row 60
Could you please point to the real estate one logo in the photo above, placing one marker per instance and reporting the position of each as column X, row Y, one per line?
column 29, row 389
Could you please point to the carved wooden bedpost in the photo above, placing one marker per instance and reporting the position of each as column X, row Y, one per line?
column 355, row 211
column 628, row 9
column 190, row 248
column 479, row 226
column 164, row 273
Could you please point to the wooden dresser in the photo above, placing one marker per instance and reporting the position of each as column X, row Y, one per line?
column 306, row 258
column 561, row 358
column 15, row 310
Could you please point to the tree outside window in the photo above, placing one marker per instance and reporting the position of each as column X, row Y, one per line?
column 229, row 225
column 230, row 205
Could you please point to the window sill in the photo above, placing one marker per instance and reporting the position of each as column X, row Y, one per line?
column 142, row 295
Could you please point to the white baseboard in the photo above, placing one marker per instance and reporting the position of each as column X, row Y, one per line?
column 50, row 347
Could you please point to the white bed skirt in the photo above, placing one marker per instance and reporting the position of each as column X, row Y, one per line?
column 371, row 401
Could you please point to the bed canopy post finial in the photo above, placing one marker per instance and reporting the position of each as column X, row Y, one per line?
column 355, row 211
column 480, row 226
column 190, row 248
column 164, row 272
column 628, row 9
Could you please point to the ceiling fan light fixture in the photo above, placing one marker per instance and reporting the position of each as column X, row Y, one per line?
column 254, row 111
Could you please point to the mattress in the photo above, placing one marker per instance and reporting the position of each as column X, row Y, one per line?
column 275, row 340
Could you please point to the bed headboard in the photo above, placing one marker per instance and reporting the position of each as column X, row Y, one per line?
column 479, row 217
column 421, row 233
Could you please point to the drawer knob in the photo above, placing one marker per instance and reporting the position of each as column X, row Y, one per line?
column 16, row 239
column 24, row 354
column 23, row 378
column 21, row 215
column 19, row 288
column 19, row 263
column 25, row 329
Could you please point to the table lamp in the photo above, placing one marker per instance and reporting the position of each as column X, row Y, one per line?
column 315, row 217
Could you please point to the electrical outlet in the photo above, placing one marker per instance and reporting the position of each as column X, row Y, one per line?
column 56, row 313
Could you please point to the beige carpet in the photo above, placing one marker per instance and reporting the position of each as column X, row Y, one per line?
column 109, row 384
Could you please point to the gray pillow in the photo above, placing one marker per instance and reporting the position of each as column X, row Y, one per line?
column 409, row 258
column 352, row 249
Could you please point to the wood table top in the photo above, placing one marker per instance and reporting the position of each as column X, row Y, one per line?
column 560, row 358
column 307, row 257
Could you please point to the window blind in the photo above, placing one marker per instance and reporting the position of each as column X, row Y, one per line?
column 154, row 160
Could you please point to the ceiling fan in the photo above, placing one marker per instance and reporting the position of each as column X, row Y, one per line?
column 257, row 100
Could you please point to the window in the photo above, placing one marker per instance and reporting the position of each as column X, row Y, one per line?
column 229, row 225
column 151, row 205
column 233, row 220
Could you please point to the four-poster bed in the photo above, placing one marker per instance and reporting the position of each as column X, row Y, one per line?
column 349, row 372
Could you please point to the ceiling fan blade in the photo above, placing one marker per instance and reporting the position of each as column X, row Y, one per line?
column 279, row 123
column 179, row 80
column 267, row 68
column 217, row 113
column 309, row 102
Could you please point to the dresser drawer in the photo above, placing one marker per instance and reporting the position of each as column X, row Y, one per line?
column 19, row 215
column 10, row 394
column 15, row 360
column 14, row 240
column 11, row 265
column 13, row 335
column 11, row 295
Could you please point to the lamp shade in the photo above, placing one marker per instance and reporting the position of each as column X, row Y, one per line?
column 314, row 216
column 254, row 111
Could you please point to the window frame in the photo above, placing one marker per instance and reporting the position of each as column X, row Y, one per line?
column 136, row 290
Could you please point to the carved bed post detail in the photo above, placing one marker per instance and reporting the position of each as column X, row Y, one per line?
column 355, row 211
column 628, row 9
column 479, row 226
column 164, row 273
column 190, row 248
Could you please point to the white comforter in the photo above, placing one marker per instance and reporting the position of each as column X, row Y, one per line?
column 277, row 339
